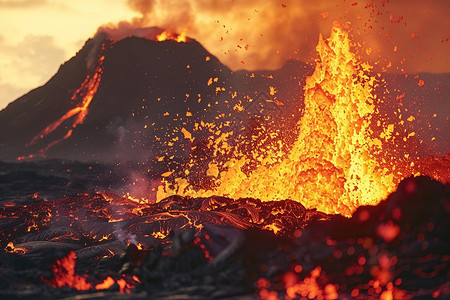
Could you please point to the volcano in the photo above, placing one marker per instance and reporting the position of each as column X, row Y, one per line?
column 144, row 93
column 270, row 182
column 144, row 88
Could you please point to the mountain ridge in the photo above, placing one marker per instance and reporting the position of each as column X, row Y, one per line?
column 141, row 79
column 147, row 89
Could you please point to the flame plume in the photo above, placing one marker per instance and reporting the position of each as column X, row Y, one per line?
column 332, row 164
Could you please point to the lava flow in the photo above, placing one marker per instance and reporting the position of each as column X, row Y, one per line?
column 86, row 91
column 332, row 166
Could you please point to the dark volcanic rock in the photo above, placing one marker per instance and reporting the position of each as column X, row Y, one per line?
column 218, row 247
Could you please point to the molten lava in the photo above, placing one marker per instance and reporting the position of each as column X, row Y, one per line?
column 64, row 274
column 170, row 35
column 332, row 165
column 86, row 92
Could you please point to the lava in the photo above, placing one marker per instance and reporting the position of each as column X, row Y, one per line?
column 86, row 92
column 381, row 252
column 88, row 89
column 124, row 29
column 12, row 249
column 64, row 274
column 170, row 35
column 107, row 283
column 332, row 166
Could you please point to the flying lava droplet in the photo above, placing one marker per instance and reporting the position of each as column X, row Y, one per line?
column 332, row 166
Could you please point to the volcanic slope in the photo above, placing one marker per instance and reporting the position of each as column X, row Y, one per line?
column 136, row 99
column 157, row 103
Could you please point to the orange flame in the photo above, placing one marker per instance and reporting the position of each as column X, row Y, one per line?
column 64, row 274
column 106, row 284
column 332, row 165
column 170, row 35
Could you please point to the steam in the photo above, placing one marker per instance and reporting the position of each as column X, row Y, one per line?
column 264, row 34
column 92, row 57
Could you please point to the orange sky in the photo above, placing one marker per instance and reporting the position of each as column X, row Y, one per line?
column 38, row 35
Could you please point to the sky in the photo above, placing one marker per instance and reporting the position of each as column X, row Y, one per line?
column 37, row 36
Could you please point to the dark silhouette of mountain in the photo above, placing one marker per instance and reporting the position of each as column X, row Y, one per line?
column 148, row 92
column 150, row 99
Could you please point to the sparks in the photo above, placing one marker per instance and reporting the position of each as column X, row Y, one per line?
column 331, row 166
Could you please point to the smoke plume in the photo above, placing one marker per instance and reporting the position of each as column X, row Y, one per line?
column 255, row 34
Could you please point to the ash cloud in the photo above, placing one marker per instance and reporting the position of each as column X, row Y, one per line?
column 264, row 34
column 145, row 7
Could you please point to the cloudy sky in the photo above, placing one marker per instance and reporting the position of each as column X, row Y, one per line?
column 37, row 36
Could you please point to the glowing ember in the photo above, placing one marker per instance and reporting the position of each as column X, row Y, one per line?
column 12, row 249
column 332, row 164
column 106, row 284
column 170, row 35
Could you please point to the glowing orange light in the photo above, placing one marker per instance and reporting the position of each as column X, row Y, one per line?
column 64, row 274
column 123, row 286
column 106, row 284
column 162, row 37
column 332, row 165
column 12, row 249
column 170, row 35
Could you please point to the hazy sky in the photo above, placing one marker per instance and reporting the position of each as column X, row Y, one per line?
column 37, row 36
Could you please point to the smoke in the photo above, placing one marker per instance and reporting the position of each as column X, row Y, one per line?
column 145, row 7
column 92, row 57
column 264, row 34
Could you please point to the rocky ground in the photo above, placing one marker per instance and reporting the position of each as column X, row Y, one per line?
column 73, row 241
